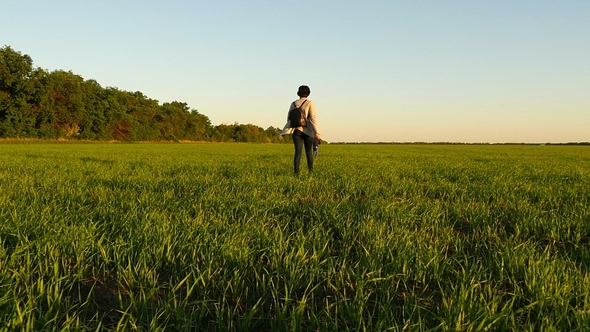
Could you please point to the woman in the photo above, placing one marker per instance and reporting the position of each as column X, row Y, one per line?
column 303, row 136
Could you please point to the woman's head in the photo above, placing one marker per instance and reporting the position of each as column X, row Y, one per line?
column 303, row 91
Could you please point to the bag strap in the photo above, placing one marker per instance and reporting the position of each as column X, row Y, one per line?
column 301, row 107
column 295, row 105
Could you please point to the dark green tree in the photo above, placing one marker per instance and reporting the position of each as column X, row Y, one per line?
column 64, row 103
column 18, row 94
column 95, row 124
column 37, row 103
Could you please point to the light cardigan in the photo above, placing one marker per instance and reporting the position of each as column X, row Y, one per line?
column 312, row 128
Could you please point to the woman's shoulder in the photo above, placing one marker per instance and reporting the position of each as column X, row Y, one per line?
column 307, row 102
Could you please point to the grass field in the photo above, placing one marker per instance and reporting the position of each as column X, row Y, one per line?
column 222, row 237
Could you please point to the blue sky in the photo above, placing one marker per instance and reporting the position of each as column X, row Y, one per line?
column 402, row 71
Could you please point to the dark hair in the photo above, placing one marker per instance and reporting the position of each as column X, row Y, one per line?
column 303, row 91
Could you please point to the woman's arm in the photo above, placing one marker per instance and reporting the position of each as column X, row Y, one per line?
column 313, row 120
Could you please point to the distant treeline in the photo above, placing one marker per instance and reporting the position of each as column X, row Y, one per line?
column 35, row 103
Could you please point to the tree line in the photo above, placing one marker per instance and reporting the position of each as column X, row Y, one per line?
column 36, row 103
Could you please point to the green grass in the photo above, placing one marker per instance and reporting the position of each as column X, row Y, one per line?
column 222, row 237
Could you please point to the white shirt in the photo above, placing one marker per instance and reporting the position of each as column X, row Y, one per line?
column 312, row 128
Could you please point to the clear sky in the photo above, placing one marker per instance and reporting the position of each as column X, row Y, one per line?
column 379, row 70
